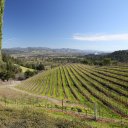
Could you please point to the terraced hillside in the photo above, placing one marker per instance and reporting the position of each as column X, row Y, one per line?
column 107, row 87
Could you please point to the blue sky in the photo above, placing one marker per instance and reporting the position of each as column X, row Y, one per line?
column 80, row 24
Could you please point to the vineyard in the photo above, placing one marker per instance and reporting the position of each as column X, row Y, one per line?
column 106, row 87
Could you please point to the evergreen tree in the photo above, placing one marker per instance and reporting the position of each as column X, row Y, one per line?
column 1, row 22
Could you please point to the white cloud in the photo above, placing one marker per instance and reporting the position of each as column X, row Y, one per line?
column 102, row 37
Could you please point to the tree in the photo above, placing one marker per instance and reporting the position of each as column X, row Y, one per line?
column 29, row 73
column 40, row 67
column 1, row 23
column 6, row 75
column 107, row 61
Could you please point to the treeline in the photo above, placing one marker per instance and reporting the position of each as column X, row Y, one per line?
column 10, row 68
column 88, row 59
column 36, row 66
column 98, row 60
column 114, row 58
column 33, row 65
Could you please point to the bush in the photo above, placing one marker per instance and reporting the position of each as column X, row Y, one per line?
column 40, row 67
column 6, row 75
column 79, row 110
column 29, row 73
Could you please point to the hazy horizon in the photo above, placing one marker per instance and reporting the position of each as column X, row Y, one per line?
column 65, row 48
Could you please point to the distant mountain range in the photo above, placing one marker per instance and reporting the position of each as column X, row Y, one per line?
column 30, row 51
column 120, row 56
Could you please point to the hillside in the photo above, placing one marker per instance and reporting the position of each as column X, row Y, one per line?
column 121, row 56
column 76, row 83
column 20, row 110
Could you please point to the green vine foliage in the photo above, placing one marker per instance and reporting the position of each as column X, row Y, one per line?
column 1, row 23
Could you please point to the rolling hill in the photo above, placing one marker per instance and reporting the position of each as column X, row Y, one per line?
column 121, row 56
column 77, row 83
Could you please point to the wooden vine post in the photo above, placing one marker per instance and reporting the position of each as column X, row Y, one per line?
column 95, row 111
column 62, row 104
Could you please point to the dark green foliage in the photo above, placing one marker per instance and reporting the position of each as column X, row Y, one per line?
column 112, row 58
column 107, row 61
column 1, row 22
column 6, row 75
column 79, row 110
column 33, row 65
column 13, row 68
column 121, row 56
column 7, row 58
column 29, row 73
column 2, row 66
column 8, row 69
column 40, row 66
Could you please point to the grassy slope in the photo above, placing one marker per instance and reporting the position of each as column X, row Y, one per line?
column 34, row 119
column 18, row 112
column 24, row 69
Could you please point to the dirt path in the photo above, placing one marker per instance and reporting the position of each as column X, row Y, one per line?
column 12, row 84
column 53, row 100
column 9, row 84
column 38, row 96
